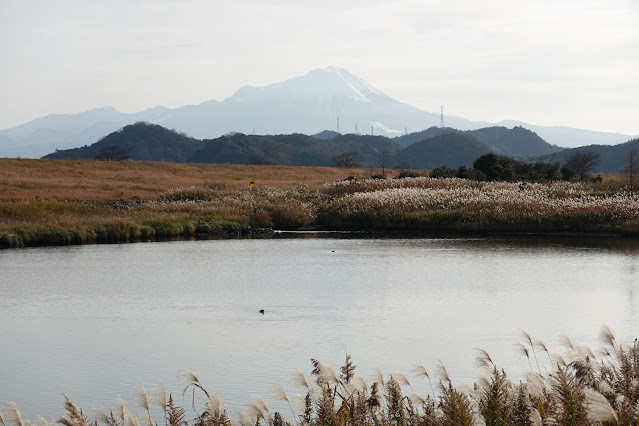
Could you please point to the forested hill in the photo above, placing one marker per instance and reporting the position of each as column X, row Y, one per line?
column 452, row 149
column 517, row 142
column 435, row 147
column 140, row 141
column 611, row 159
column 150, row 142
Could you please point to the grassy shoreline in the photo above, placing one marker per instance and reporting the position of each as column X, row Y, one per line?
column 219, row 207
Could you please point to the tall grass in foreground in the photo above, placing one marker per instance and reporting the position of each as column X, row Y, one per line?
column 580, row 387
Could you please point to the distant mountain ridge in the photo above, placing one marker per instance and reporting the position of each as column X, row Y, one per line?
column 306, row 104
column 151, row 142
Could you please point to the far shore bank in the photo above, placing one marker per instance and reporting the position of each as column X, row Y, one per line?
column 230, row 200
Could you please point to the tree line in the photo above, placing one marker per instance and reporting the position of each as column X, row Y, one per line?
column 578, row 166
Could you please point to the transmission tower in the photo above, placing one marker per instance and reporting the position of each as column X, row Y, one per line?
column 356, row 129
column 371, row 130
column 338, row 124
column 441, row 119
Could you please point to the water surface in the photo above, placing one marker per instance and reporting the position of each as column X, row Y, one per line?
column 95, row 321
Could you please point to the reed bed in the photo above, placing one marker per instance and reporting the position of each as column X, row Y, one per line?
column 457, row 204
column 580, row 387
column 447, row 205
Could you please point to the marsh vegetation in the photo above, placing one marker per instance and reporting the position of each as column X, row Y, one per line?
column 415, row 203
column 581, row 386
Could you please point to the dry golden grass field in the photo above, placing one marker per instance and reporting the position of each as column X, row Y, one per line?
column 29, row 179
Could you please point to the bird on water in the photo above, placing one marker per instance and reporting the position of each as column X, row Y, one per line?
column 262, row 311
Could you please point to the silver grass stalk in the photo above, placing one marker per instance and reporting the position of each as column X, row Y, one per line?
column 74, row 417
column 233, row 422
column 531, row 342
column 299, row 380
column 544, row 348
column 560, row 361
column 161, row 396
column 360, row 383
column 299, row 402
column 377, row 376
column 534, row 383
column 130, row 420
column 483, row 359
column 102, row 415
column 120, row 410
column 327, row 374
column 417, row 400
column 1, row 418
column 280, row 394
column 147, row 420
column 523, row 350
column 420, row 371
column 566, row 342
column 215, row 405
column 13, row 415
column 260, row 408
column 245, row 419
column 607, row 337
column 598, row 408
column 402, row 379
column 142, row 398
column 442, row 372
column 188, row 378
column 44, row 422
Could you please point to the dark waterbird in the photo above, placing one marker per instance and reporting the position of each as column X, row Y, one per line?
column 262, row 311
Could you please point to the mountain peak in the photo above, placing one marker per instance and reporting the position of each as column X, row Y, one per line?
column 353, row 87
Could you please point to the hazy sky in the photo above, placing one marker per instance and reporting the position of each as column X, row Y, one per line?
column 547, row 62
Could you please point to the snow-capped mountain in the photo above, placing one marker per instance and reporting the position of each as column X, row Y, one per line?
column 306, row 104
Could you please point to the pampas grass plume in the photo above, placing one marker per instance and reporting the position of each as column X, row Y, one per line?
column 442, row 372
column 483, row 359
column 279, row 393
column 161, row 396
column 599, row 408
column 215, row 405
column 299, row 380
column 142, row 398
column 245, row 419
column 187, row 378
column 378, row 376
column 13, row 415
column 607, row 337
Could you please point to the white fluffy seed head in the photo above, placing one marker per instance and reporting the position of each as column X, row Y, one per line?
column 142, row 398
column 161, row 396
column 598, row 408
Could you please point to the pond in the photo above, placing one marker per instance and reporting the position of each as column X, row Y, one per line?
column 95, row 321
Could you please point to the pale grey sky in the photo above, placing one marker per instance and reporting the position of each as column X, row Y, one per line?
column 546, row 62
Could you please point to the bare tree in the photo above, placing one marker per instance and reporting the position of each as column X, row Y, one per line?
column 632, row 167
column 582, row 163
column 259, row 160
column 383, row 159
column 346, row 160
column 112, row 153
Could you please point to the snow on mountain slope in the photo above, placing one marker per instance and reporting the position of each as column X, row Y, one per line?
column 306, row 104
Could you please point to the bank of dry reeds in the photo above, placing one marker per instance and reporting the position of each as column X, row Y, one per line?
column 579, row 387
column 420, row 203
